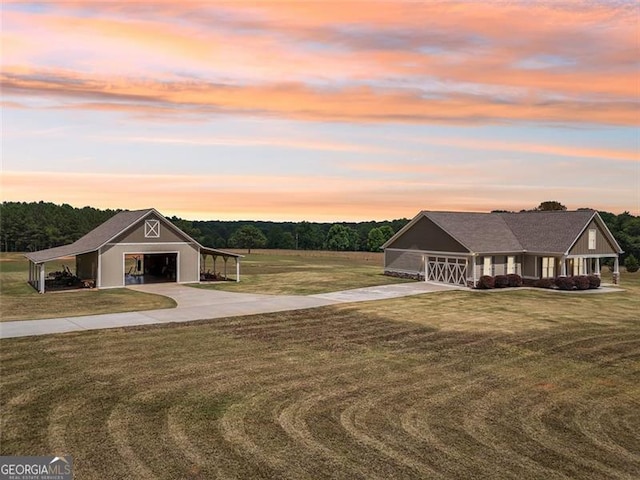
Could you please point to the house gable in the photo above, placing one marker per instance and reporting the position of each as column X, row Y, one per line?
column 425, row 235
column 603, row 241
column 153, row 228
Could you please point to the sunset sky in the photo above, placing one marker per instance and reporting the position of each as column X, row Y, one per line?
column 322, row 111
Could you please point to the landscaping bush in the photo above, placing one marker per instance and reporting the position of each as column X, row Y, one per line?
column 515, row 280
column 594, row 281
column 544, row 283
column 501, row 281
column 581, row 282
column 485, row 282
column 631, row 264
column 565, row 283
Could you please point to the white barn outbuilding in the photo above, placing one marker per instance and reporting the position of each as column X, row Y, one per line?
column 139, row 246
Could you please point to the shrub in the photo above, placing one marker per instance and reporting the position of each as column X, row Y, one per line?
column 565, row 283
column 501, row 281
column 631, row 264
column 515, row 280
column 544, row 283
column 594, row 281
column 581, row 282
column 485, row 282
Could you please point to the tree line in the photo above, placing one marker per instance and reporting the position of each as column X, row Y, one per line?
column 34, row 226
column 38, row 225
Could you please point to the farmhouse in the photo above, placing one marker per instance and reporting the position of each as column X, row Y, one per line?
column 457, row 248
column 132, row 247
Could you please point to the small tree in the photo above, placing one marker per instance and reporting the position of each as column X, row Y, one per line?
column 339, row 237
column 550, row 205
column 631, row 264
column 248, row 236
column 375, row 239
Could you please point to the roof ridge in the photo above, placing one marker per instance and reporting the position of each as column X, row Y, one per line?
column 501, row 216
column 447, row 230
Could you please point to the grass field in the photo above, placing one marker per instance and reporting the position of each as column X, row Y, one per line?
column 462, row 385
column 264, row 271
column 291, row 272
column 19, row 301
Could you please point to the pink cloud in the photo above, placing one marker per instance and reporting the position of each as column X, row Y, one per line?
column 287, row 197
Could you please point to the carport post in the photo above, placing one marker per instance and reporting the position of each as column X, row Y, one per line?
column 237, row 269
column 41, row 286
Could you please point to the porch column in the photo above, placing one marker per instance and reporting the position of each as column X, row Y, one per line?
column 597, row 271
column 41, row 286
column 563, row 267
column 584, row 266
column 237, row 269
column 616, row 271
column 473, row 266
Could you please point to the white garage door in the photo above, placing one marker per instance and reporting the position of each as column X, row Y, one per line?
column 451, row 270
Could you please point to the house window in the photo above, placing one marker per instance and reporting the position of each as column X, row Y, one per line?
column 152, row 229
column 548, row 267
column 592, row 239
column 487, row 268
column 511, row 265
column 578, row 266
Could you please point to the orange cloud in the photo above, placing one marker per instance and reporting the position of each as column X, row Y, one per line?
column 434, row 62
column 286, row 197
column 363, row 104
column 523, row 147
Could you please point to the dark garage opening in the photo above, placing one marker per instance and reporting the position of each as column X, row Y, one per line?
column 144, row 268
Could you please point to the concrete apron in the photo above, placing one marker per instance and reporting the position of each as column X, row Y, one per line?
column 203, row 304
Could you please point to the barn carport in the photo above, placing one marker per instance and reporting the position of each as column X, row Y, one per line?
column 84, row 275
column 214, row 264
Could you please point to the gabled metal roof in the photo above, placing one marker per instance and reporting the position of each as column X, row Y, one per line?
column 104, row 233
column 93, row 240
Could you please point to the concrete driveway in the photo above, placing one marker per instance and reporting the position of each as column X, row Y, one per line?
column 203, row 304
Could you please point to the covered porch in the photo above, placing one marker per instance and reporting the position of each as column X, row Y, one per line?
column 214, row 265
column 573, row 265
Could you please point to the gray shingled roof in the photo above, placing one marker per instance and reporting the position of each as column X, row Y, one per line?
column 552, row 232
column 543, row 232
column 93, row 240
column 479, row 232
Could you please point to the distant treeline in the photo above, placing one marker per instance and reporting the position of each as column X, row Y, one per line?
column 37, row 225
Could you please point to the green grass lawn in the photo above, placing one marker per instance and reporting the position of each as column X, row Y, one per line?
column 521, row 384
column 19, row 301
column 303, row 272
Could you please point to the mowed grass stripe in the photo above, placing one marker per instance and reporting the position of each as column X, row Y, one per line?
column 392, row 389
